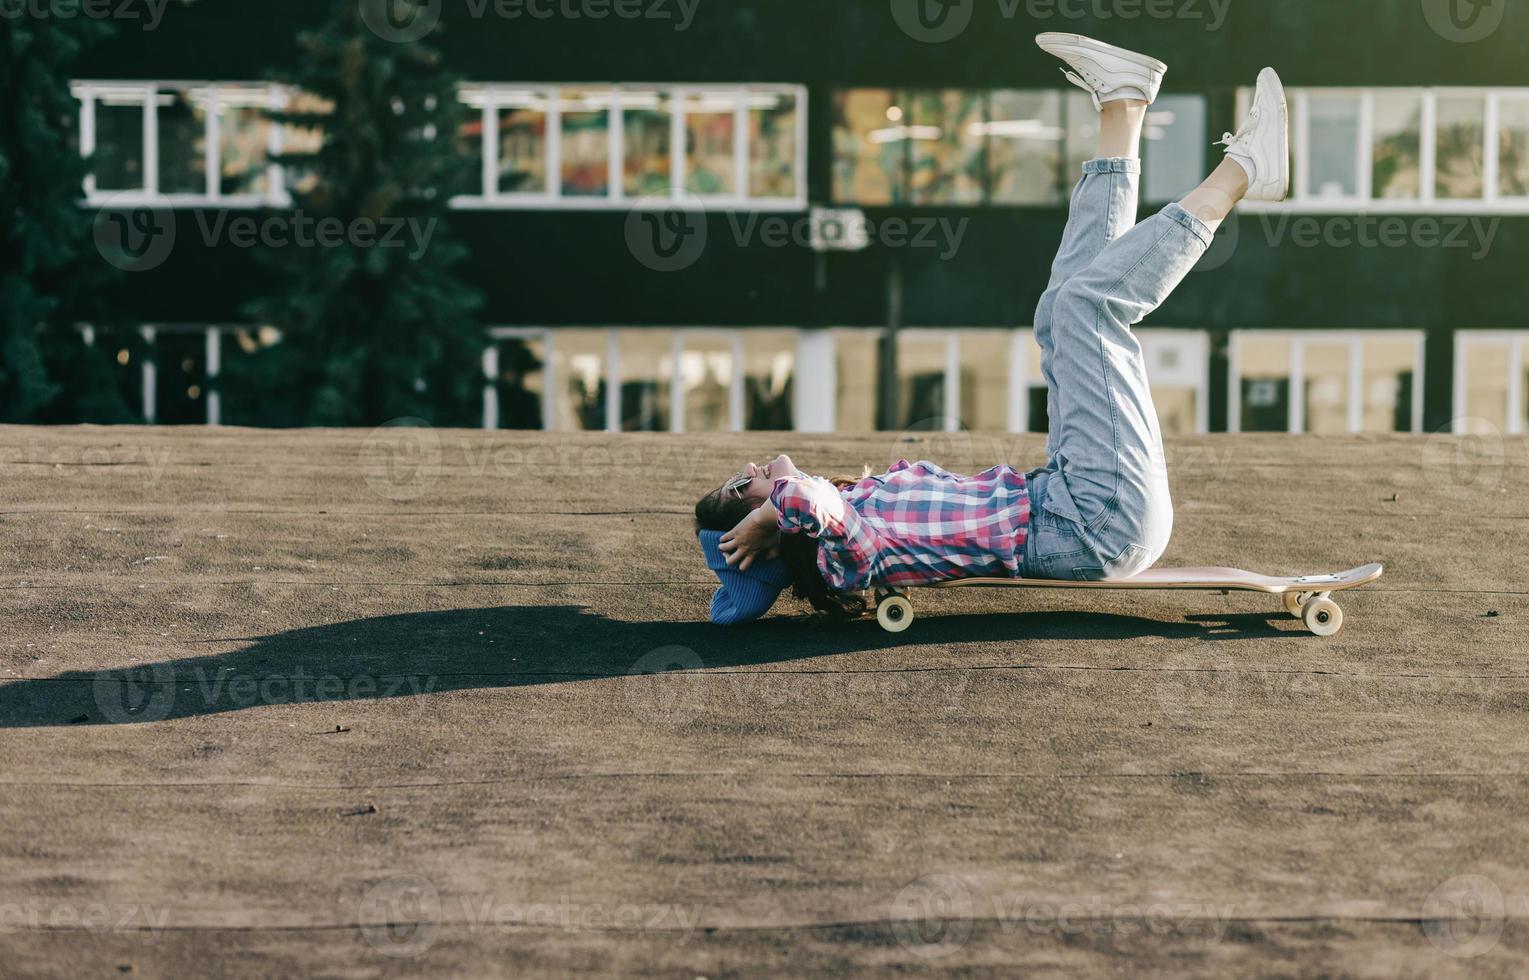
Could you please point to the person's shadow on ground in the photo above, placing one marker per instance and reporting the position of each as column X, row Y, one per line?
column 415, row 654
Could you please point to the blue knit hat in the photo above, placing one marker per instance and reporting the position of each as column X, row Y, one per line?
column 744, row 595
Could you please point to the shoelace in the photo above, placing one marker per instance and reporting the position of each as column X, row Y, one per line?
column 1086, row 86
column 1227, row 139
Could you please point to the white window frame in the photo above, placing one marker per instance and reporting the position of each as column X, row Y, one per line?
column 1301, row 199
column 1298, row 341
column 489, row 99
column 1518, row 343
column 151, row 94
column 679, row 335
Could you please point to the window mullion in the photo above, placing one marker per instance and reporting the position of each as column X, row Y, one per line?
column 615, row 128
column 554, row 143
column 1366, row 157
column 88, row 137
column 488, row 181
column 1516, row 384
column 677, row 147
column 212, row 131
column 1428, row 144
column 1490, row 159
column 740, row 144
column 151, row 140
column 1297, row 399
column 1355, row 384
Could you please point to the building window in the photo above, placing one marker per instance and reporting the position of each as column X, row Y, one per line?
column 192, row 144
column 685, row 380
column 1491, row 382
column 515, row 393
column 1407, row 149
column 997, row 147
column 1173, row 148
column 1326, row 381
column 549, row 146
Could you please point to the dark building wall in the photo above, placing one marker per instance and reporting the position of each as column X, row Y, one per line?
column 575, row 268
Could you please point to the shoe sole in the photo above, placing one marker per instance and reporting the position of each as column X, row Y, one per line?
column 1041, row 40
column 1271, row 77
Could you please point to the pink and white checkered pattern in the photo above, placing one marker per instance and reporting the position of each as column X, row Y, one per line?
column 912, row 525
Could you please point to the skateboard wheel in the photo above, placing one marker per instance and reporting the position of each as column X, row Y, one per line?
column 894, row 613
column 1322, row 616
column 1295, row 601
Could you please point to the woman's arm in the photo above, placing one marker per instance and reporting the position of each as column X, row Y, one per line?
column 815, row 507
column 756, row 536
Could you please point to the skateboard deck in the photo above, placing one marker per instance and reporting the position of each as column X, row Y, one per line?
column 1306, row 597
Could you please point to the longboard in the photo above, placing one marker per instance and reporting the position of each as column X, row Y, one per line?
column 1306, row 597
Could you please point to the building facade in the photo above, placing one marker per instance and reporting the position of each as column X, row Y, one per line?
column 787, row 214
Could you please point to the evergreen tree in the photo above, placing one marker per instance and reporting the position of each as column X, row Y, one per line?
column 51, row 276
column 372, row 331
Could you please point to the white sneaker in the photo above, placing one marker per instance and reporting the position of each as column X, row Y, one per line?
column 1104, row 71
column 1262, row 145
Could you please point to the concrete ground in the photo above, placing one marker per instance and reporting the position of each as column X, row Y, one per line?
column 416, row 702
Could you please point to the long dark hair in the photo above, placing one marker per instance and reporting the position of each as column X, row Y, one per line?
column 719, row 511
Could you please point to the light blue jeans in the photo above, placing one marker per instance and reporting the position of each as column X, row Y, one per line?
column 1100, row 507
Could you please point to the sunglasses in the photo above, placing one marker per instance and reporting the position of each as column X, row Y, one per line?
column 736, row 484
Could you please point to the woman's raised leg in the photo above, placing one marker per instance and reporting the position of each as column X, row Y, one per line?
column 1104, row 202
column 1108, row 475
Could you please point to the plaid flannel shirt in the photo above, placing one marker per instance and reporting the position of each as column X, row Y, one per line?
column 912, row 525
